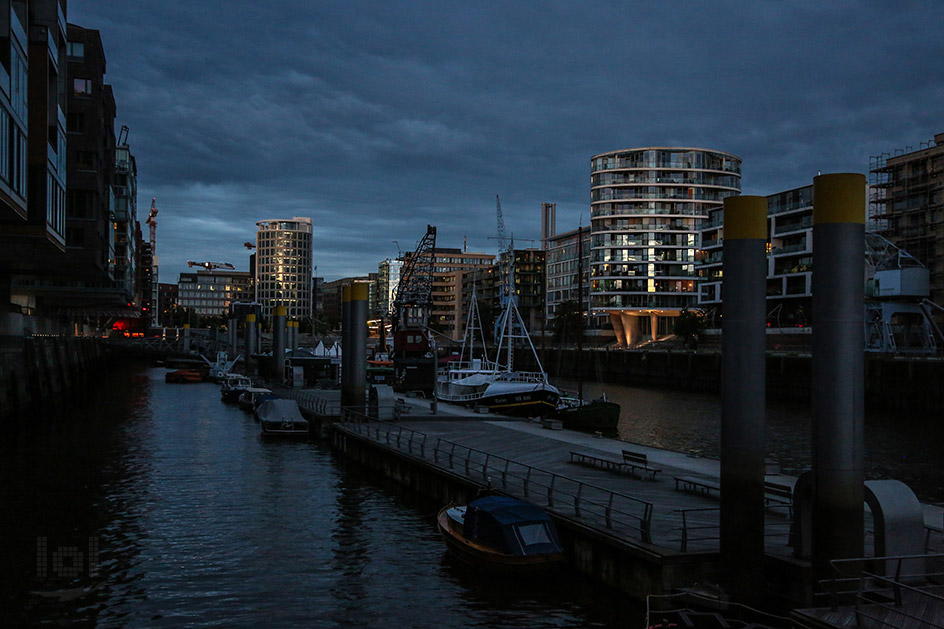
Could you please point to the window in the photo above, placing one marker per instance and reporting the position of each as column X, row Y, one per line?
column 82, row 87
column 75, row 122
column 76, row 50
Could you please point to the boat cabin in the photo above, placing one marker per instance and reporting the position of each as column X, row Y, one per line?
column 510, row 526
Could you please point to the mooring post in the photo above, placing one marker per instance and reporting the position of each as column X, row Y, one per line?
column 838, row 528
column 250, row 344
column 358, row 373
column 347, row 352
column 743, row 394
column 278, row 343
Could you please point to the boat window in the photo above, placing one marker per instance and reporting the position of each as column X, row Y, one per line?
column 531, row 534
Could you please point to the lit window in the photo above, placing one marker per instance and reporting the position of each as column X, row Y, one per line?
column 82, row 87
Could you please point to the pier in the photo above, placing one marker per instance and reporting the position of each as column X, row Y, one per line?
column 641, row 534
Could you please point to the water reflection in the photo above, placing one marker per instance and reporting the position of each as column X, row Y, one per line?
column 201, row 522
column 901, row 446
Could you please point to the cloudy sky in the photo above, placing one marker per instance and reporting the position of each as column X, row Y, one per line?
column 377, row 118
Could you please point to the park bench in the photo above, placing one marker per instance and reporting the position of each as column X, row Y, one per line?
column 630, row 462
column 774, row 492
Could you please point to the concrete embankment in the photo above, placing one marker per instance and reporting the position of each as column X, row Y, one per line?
column 891, row 382
column 38, row 373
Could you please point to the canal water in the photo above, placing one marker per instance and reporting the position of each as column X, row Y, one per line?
column 157, row 505
column 898, row 445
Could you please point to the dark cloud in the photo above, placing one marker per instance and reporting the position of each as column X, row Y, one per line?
column 377, row 118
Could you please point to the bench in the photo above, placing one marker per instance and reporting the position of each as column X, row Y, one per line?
column 698, row 483
column 774, row 492
column 639, row 461
column 631, row 462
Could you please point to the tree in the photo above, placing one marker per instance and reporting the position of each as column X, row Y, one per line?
column 688, row 326
column 568, row 323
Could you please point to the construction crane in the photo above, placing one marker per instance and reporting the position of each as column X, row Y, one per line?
column 414, row 357
column 209, row 266
column 248, row 245
column 152, row 222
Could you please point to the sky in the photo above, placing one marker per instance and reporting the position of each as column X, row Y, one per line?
column 378, row 118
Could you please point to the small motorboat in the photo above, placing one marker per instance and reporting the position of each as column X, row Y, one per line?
column 251, row 398
column 233, row 385
column 501, row 533
column 282, row 418
column 184, row 376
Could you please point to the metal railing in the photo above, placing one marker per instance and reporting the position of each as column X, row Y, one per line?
column 696, row 529
column 311, row 401
column 616, row 512
column 904, row 595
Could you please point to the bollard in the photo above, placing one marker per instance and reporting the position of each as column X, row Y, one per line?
column 743, row 395
column 186, row 338
column 838, row 527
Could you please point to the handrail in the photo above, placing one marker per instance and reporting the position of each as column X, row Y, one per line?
column 617, row 512
column 868, row 584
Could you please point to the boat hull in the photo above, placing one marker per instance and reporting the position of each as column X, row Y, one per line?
column 595, row 415
column 485, row 558
column 535, row 403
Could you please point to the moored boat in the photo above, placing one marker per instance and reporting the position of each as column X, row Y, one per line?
column 251, row 398
column 598, row 414
column 282, row 418
column 501, row 533
column 233, row 384
column 184, row 376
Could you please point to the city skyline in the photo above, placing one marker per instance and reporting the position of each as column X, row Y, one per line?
column 376, row 120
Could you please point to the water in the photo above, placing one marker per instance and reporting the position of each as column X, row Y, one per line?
column 161, row 506
column 901, row 446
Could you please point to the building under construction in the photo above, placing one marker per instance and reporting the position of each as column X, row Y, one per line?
column 906, row 205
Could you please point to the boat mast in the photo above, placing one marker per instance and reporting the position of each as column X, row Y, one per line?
column 580, row 310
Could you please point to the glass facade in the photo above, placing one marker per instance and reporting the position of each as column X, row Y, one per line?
column 646, row 208
column 284, row 265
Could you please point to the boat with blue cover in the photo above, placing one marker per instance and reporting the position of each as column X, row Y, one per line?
column 501, row 533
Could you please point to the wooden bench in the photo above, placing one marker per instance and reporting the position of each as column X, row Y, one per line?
column 631, row 462
column 639, row 461
column 698, row 483
column 774, row 492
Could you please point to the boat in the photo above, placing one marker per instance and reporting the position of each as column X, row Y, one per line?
column 251, row 398
column 281, row 418
column 599, row 414
column 221, row 367
column 184, row 376
column 233, row 384
column 496, row 386
column 502, row 534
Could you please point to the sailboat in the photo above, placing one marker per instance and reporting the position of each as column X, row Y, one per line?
column 477, row 381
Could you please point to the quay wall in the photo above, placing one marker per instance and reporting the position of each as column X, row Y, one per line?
column 634, row 569
column 38, row 373
column 891, row 382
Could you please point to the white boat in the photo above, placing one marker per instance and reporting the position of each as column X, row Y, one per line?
column 493, row 384
column 282, row 418
column 232, row 386
column 221, row 367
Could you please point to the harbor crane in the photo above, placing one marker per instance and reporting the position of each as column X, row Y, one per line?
column 152, row 223
column 248, row 245
column 209, row 266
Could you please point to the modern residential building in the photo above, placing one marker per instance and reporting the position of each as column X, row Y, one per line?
column 125, row 190
column 449, row 268
column 646, row 209
column 564, row 270
column 388, row 278
column 789, row 261
column 284, row 265
column 167, row 298
column 530, row 285
column 907, row 205
column 32, row 150
column 211, row 292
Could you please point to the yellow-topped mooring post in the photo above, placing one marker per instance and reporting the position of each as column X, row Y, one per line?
column 358, row 340
column 278, row 343
column 251, row 344
column 838, row 528
column 345, row 346
column 743, row 395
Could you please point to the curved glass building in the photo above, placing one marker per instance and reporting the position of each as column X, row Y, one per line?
column 646, row 208
column 284, row 265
